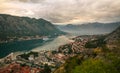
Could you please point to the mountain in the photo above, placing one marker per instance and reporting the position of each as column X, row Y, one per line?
column 113, row 38
column 105, row 58
column 115, row 35
column 14, row 26
column 89, row 28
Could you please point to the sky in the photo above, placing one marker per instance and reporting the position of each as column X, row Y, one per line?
column 64, row 11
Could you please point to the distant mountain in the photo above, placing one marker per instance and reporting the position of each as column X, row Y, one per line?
column 14, row 26
column 89, row 28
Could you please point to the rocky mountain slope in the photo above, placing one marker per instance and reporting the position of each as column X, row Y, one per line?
column 14, row 26
column 114, row 36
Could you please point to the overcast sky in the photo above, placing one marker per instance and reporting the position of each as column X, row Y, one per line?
column 64, row 11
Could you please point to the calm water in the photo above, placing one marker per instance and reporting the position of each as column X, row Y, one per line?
column 7, row 48
column 55, row 43
column 34, row 45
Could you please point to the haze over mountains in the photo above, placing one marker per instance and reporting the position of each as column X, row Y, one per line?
column 60, row 36
column 89, row 28
column 14, row 26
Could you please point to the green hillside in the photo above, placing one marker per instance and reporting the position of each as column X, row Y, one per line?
column 100, row 59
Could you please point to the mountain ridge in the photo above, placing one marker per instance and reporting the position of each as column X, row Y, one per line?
column 15, row 26
column 90, row 28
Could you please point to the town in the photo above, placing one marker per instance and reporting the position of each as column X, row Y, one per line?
column 45, row 61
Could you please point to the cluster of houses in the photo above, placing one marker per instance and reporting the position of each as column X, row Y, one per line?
column 53, row 58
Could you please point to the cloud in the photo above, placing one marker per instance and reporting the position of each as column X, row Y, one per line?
column 64, row 11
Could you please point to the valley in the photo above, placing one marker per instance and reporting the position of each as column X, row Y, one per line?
column 56, row 49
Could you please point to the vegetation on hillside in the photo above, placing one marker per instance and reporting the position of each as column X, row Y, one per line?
column 101, row 60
